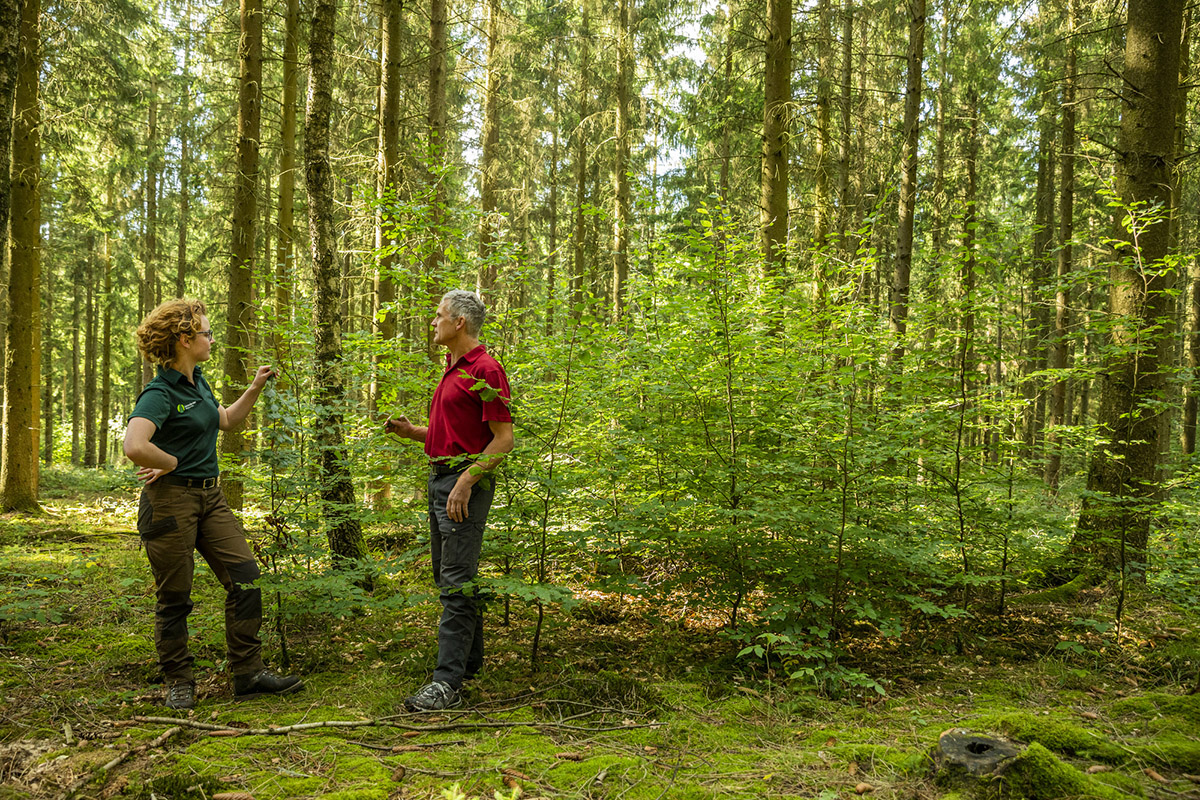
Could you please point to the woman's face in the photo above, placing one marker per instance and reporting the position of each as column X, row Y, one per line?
column 199, row 344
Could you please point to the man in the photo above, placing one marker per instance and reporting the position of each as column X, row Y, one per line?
column 469, row 432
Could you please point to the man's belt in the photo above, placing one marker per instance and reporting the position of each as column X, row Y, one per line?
column 449, row 467
column 190, row 483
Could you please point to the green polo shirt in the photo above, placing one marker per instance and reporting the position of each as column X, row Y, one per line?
column 187, row 420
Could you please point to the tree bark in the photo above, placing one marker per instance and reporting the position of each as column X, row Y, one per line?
column 76, row 365
column 18, row 459
column 622, row 214
column 436, row 153
column 337, row 491
column 777, row 95
column 240, row 310
column 489, row 166
column 1057, row 360
column 1192, row 295
column 1114, row 523
column 185, row 130
column 106, row 331
column 902, row 269
column 149, row 291
column 578, row 237
column 90, row 422
column 1038, row 327
column 285, row 249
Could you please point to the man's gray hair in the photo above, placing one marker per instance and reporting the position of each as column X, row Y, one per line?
column 469, row 306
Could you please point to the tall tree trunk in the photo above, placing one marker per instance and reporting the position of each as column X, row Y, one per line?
column 622, row 213
column 149, row 293
column 49, row 292
column 1057, row 360
column 89, row 356
column 384, row 316
column 240, row 310
column 902, row 269
column 10, row 36
column 76, row 364
column 823, row 146
column 185, row 157
column 727, row 112
column 436, row 153
column 1114, row 523
column 106, row 331
column 18, row 459
column 578, row 238
column 777, row 96
column 1192, row 293
column 489, row 166
column 1038, row 327
column 846, row 106
column 337, row 491
column 285, row 249
column 552, row 203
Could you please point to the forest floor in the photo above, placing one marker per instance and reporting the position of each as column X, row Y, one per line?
column 626, row 703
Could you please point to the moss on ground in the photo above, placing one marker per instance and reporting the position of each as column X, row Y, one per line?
column 1054, row 734
column 1037, row 774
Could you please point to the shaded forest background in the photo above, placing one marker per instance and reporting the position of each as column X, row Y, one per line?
column 827, row 319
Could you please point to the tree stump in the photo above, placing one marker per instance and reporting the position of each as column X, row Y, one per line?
column 961, row 754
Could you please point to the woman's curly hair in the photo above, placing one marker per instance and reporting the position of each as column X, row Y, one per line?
column 162, row 327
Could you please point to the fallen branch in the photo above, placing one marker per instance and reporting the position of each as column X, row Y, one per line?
column 104, row 770
column 387, row 722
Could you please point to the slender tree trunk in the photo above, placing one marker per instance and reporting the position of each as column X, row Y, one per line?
column 1114, row 524
column 89, row 356
column 150, row 201
column 777, row 96
column 185, row 157
column 10, row 37
column 902, row 269
column 285, row 249
column 436, row 153
column 106, row 331
column 823, row 147
column 1192, row 288
column 1038, row 328
column 337, row 491
column 727, row 111
column 18, row 459
column 1066, row 214
column 489, row 166
column 555, row 155
column 846, row 106
column 579, row 260
column 49, row 292
column 240, row 310
column 622, row 215
column 76, row 364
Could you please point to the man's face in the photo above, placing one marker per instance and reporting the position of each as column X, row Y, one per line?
column 445, row 327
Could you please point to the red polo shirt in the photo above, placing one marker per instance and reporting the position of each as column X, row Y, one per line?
column 460, row 411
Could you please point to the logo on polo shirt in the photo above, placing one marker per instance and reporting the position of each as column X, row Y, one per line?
column 182, row 408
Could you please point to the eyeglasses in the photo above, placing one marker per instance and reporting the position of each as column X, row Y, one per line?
column 207, row 333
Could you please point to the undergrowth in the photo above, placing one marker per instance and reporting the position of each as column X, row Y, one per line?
column 632, row 698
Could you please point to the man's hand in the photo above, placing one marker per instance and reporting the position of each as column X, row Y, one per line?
column 399, row 426
column 460, row 495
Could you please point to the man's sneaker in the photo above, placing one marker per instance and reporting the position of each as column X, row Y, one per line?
column 436, row 696
column 265, row 682
column 181, row 695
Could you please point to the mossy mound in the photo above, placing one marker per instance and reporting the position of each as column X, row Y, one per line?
column 1056, row 735
column 1037, row 774
column 1185, row 706
column 1056, row 594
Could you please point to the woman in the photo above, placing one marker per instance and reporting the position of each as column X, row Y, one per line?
column 172, row 436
